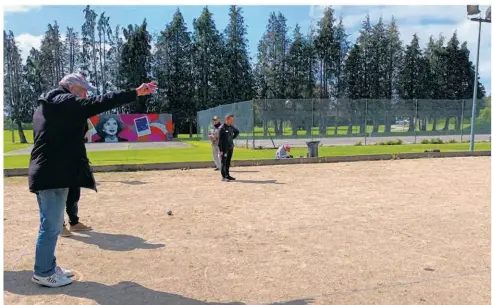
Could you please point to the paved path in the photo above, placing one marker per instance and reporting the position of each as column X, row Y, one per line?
column 267, row 143
column 114, row 146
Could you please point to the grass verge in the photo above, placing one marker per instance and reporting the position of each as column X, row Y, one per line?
column 201, row 151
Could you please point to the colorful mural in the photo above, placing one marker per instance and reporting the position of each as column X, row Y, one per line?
column 110, row 128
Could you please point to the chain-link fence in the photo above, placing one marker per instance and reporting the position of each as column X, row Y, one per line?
column 243, row 120
column 270, row 123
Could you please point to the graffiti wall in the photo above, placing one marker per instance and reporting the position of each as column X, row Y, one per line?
column 109, row 128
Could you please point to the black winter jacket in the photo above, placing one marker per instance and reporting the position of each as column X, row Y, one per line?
column 227, row 134
column 59, row 158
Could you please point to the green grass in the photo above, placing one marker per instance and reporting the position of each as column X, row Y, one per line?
column 7, row 140
column 201, row 151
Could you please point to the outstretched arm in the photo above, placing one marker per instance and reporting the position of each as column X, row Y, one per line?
column 97, row 104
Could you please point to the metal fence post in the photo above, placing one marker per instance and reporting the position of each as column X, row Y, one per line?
column 312, row 120
column 254, row 121
column 365, row 125
column 416, row 120
column 462, row 114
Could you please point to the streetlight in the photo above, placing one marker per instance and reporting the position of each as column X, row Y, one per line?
column 471, row 11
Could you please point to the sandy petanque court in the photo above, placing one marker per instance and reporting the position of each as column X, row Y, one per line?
column 383, row 232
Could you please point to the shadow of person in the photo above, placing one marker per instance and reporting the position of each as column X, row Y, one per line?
column 258, row 181
column 115, row 242
column 17, row 282
column 129, row 182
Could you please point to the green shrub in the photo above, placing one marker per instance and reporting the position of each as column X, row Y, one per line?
column 359, row 143
column 452, row 141
column 391, row 142
column 432, row 141
column 436, row 141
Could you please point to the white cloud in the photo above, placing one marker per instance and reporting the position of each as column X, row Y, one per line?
column 9, row 8
column 26, row 42
column 423, row 21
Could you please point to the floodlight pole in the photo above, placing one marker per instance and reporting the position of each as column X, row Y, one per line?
column 475, row 84
column 475, row 89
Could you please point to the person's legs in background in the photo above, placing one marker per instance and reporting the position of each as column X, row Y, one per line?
column 215, row 152
column 51, row 207
column 72, row 208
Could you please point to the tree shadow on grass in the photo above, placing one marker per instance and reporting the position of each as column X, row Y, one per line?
column 18, row 282
column 115, row 242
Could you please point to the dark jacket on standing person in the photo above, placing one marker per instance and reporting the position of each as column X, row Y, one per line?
column 227, row 134
column 59, row 158
column 86, row 129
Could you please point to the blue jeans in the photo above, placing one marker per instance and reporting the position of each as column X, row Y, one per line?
column 51, row 207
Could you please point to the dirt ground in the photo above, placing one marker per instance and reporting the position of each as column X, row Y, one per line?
column 384, row 232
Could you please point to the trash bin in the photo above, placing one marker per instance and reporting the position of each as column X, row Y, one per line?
column 312, row 149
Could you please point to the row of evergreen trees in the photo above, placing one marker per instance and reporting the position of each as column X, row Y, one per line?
column 205, row 67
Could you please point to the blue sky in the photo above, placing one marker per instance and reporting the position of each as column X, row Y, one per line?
column 29, row 22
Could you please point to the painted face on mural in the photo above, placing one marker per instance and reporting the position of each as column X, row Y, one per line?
column 111, row 127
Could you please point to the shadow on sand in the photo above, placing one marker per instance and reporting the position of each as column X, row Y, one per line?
column 115, row 242
column 258, row 181
column 18, row 282
column 128, row 182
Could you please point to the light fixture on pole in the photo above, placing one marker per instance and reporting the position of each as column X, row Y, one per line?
column 473, row 10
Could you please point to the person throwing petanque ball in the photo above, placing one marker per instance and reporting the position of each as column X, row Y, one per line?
column 227, row 134
column 59, row 160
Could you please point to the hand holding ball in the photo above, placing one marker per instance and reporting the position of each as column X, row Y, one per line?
column 147, row 88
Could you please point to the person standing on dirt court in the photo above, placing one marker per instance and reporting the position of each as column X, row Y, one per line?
column 213, row 135
column 59, row 161
column 72, row 204
column 227, row 134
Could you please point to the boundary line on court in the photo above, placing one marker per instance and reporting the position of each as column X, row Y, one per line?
column 13, row 172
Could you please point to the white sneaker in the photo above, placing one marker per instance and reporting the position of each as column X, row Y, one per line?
column 52, row 281
column 64, row 272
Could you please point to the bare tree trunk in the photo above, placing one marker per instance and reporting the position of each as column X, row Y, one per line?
column 191, row 128
column 350, row 125
column 322, row 122
column 22, row 136
column 265, row 119
column 387, row 125
column 335, row 132
column 457, row 125
column 308, row 129
column 446, row 124
column 275, row 124
column 411, row 125
column 423, row 124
